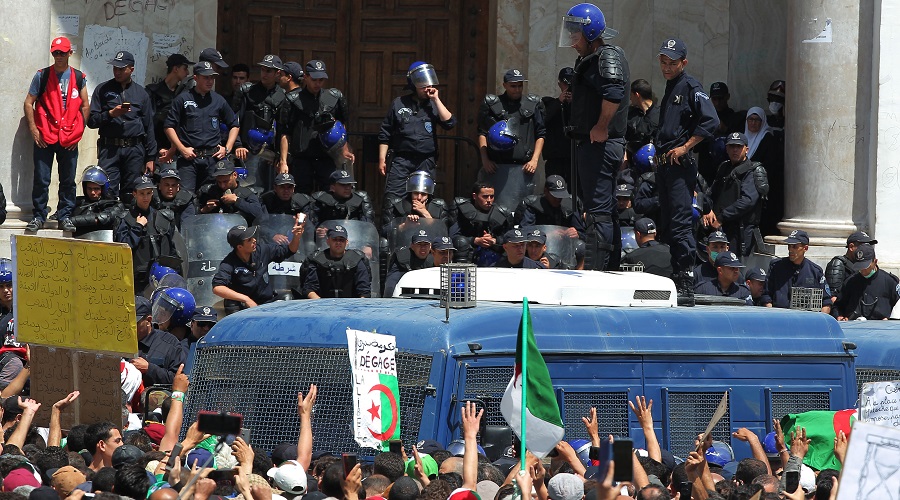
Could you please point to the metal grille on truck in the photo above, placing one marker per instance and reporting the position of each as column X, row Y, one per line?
column 262, row 383
column 866, row 375
column 689, row 413
column 784, row 403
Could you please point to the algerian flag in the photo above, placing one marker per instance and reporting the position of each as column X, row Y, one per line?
column 376, row 392
column 821, row 428
column 543, row 424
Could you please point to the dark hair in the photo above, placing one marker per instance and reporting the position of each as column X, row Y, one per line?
column 654, row 492
column 9, row 495
column 75, row 459
column 490, row 472
column 679, row 475
column 767, row 479
column 104, row 480
column 389, row 464
column 240, row 67
column 11, row 449
column 642, row 88
column 165, row 407
column 440, row 455
column 52, row 457
column 652, row 467
column 453, row 479
column 75, row 438
column 323, row 463
column 437, row 490
column 96, row 433
column 330, row 483
column 479, row 185
column 405, row 488
column 31, row 452
column 378, row 483
column 503, row 491
column 261, row 464
column 107, row 495
column 140, row 439
column 823, row 483
column 132, row 481
column 150, row 456
column 749, row 469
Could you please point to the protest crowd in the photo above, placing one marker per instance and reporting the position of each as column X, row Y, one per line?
column 681, row 186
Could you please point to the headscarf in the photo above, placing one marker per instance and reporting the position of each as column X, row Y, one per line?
column 754, row 140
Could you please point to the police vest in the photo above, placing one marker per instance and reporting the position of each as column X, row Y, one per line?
column 547, row 215
column 522, row 121
column 330, row 208
column 178, row 204
column 299, row 203
column 402, row 206
column 337, row 278
column 310, row 118
column 731, row 189
column 473, row 222
column 606, row 63
column 403, row 256
column 155, row 242
column 262, row 105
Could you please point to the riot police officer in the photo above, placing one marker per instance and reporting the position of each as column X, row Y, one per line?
column 227, row 197
column 716, row 243
column 283, row 199
column 168, row 194
column 646, row 194
column 514, row 252
column 686, row 117
column 643, row 116
column 536, row 249
column 408, row 132
column 418, row 202
column 599, row 118
column 840, row 267
column 163, row 92
column 557, row 150
column 409, row 258
column 870, row 292
column 511, row 171
column 122, row 111
column 479, row 224
column 311, row 109
column 147, row 231
column 337, row 272
column 652, row 256
column 94, row 211
column 341, row 202
column 257, row 106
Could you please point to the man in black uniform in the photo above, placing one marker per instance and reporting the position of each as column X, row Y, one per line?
column 557, row 150
column 870, row 292
column 147, row 231
column 257, row 106
column 651, row 256
column 442, row 250
column 337, row 272
column 756, row 282
column 840, row 267
column 512, row 171
column 418, row 202
column 122, row 111
column 686, row 117
column 716, row 243
column 340, row 203
column 796, row 271
column 536, row 249
column 514, row 252
column 643, row 116
column 163, row 92
column 240, row 74
column 727, row 282
column 227, row 197
column 310, row 110
column 734, row 198
column 408, row 132
column 169, row 195
column 159, row 353
column 192, row 127
column 94, row 211
column 599, row 117
column 555, row 208
column 243, row 275
column 283, row 199
column 479, row 223
column 416, row 256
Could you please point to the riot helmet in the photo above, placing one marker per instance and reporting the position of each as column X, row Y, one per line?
column 334, row 138
column 420, row 182
column 165, row 277
column 719, row 453
column 420, row 75
column 6, row 271
column 582, row 448
column 645, row 158
column 502, row 137
column 174, row 305
column 95, row 175
column 587, row 19
column 258, row 138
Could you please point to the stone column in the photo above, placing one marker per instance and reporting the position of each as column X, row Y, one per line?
column 827, row 135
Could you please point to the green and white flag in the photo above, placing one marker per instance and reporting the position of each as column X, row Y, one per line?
column 376, row 394
column 543, row 425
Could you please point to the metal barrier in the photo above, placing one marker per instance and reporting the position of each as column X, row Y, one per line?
column 866, row 375
column 806, row 299
column 688, row 414
column 784, row 403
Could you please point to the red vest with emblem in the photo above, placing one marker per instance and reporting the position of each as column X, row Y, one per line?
column 58, row 125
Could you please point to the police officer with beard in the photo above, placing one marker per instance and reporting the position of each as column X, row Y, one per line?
column 93, row 211
column 409, row 258
column 599, row 118
column 337, row 272
column 479, row 224
column 169, row 195
column 418, row 202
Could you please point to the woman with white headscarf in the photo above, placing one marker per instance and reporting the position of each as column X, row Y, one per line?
column 759, row 139
column 764, row 147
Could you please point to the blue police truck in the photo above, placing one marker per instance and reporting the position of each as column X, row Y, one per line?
column 606, row 338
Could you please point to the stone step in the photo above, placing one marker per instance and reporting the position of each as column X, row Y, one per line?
column 10, row 228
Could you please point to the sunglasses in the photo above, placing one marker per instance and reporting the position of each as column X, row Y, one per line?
column 58, row 53
column 206, row 324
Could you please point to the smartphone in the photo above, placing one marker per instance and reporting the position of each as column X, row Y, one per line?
column 219, row 424
column 396, row 446
column 176, row 451
column 622, row 450
column 245, row 434
column 686, row 489
column 301, row 218
column 126, row 104
column 792, row 481
column 603, row 455
column 349, row 461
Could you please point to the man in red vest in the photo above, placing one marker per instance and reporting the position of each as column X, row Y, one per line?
column 56, row 108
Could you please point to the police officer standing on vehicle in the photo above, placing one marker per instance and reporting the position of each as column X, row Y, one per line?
column 511, row 171
column 257, row 106
column 686, row 117
column 408, row 131
column 163, row 92
column 311, row 110
column 192, row 126
column 337, row 272
column 122, row 111
column 599, row 119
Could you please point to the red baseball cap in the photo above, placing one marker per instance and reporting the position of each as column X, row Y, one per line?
column 60, row 43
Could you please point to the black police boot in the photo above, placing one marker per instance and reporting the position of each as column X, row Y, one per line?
column 684, row 284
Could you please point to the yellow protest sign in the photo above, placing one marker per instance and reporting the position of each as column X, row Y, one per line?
column 77, row 294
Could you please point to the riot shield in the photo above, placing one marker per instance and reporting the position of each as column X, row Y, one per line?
column 560, row 246
column 206, row 239
column 285, row 275
column 361, row 236
column 511, row 185
column 98, row 235
column 401, row 229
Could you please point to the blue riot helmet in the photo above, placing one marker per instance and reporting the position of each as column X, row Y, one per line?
column 717, row 151
column 258, row 138
column 241, row 172
column 719, row 453
column 158, row 272
column 582, row 447
column 420, row 182
column 586, row 19
column 629, row 242
column 421, row 75
column 173, row 305
column 334, row 138
column 457, row 448
column 645, row 158
column 95, row 175
column 6, row 271
column 769, row 445
column 502, row 137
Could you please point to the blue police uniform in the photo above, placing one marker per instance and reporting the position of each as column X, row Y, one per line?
column 196, row 119
column 251, row 278
column 183, row 205
column 299, row 203
column 148, row 242
column 127, row 142
column 408, row 130
column 784, row 274
column 646, row 196
column 164, row 353
column 348, row 276
column 685, row 111
column 472, row 223
column 601, row 76
column 736, row 290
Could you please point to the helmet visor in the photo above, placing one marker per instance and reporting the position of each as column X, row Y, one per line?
column 164, row 307
column 423, row 76
column 570, row 30
column 420, row 184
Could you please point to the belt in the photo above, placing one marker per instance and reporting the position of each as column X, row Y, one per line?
column 203, row 153
column 125, row 142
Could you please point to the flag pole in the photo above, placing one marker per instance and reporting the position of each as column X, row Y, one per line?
column 526, row 319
